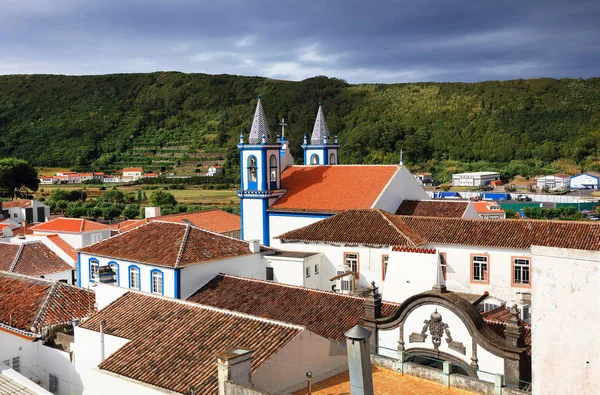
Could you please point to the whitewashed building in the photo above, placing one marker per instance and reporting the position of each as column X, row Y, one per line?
column 554, row 181
column 156, row 345
column 588, row 180
column 169, row 258
column 76, row 232
column 35, row 336
column 276, row 196
column 25, row 210
column 214, row 170
column 132, row 174
column 489, row 210
column 474, row 179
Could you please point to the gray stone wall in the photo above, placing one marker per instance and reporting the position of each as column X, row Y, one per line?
column 236, row 389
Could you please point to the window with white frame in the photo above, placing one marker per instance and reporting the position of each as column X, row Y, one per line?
column 134, row 278
column 351, row 260
column 384, row 265
column 480, row 268
column 94, row 266
column 307, row 270
column 157, row 282
column 521, row 271
column 317, row 268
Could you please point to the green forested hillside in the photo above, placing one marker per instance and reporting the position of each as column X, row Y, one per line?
column 165, row 119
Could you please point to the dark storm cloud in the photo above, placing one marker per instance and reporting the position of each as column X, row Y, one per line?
column 360, row 41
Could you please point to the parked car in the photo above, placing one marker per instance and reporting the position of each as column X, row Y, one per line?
column 523, row 198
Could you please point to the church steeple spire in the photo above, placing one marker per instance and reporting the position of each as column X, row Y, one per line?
column 259, row 126
column 320, row 134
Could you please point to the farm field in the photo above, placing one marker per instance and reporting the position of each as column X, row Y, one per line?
column 191, row 195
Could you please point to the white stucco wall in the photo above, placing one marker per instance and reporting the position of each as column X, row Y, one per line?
column 286, row 371
column 408, row 274
column 402, row 186
column 195, row 276
column 565, row 348
column 76, row 240
column 280, row 223
column 286, row 271
column 252, row 219
column 39, row 361
column 65, row 275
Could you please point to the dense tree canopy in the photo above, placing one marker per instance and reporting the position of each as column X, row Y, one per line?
column 16, row 174
column 161, row 120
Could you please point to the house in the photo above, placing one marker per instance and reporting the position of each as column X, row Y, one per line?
column 25, row 210
column 76, row 232
column 474, row 179
column 86, row 177
column 554, row 181
column 151, row 175
column 112, row 178
column 587, row 180
column 277, row 196
column 425, row 179
column 49, row 180
column 35, row 259
column 169, row 258
column 214, row 170
column 438, row 208
column 36, row 321
column 152, row 345
column 489, row 210
column 132, row 173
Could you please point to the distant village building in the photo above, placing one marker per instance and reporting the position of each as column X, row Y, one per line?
column 214, row 170
column 49, row 180
column 554, row 181
column 474, row 179
column 489, row 210
column 112, row 178
column 132, row 174
column 425, row 179
column 151, row 175
column 75, row 231
column 23, row 210
column 587, row 180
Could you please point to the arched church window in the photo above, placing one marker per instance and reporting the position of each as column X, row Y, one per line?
column 273, row 168
column 332, row 159
column 252, row 169
column 314, row 159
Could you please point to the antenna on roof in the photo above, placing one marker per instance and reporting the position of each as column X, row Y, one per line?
column 401, row 161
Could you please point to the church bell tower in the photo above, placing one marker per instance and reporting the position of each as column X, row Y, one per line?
column 260, row 177
column 321, row 150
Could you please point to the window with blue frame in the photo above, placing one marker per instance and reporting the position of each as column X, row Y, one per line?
column 94, row 267
column 134, row 277
column 252, row 172
column 273, row 171
column 314, row 159
column 157, row 282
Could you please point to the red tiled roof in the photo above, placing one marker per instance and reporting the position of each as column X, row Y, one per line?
column 366, row 227
column 31, row 258
column 217, row 221
column 433, row 208
column 22, row 203
column 369, row 227
column 170, row 245
column 133, row 169
column 325, row 313
column 486, row 208
column 63, row 245
column 128, row 224
column 332, row 188
column 70, row 225
column 29, row 304
column 24, row 229
column 173, row 343
column 497, row 319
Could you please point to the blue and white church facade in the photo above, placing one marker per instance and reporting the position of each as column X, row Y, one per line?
column 320, row 151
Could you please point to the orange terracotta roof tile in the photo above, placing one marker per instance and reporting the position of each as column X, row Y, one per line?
column 133, row 170
column 173, row 343
column 369, row 227
column 170, row 245
column 63, row 245
column 70, row 225
column 217, row 221
column 31, row 258
column 327, row 314
column 433, row 208
column 332, row 188
column 486, row 208
column 497, row 319
column 30, row 304
column 385, row 382
column 22, row 203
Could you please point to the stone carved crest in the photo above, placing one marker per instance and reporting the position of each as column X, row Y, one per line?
column 437, row 328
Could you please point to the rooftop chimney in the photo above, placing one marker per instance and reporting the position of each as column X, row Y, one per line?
column 254, row 246
column 235, row 366
column 359, row 360
column 152, row 212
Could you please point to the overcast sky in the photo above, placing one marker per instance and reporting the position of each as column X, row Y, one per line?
column 359, row 41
